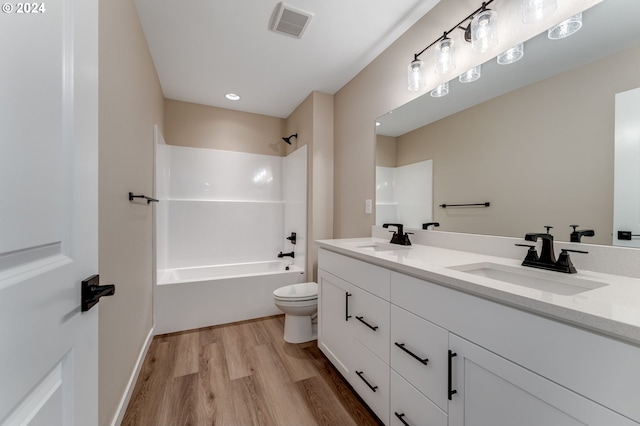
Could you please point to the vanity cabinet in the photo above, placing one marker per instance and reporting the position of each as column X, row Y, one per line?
column 451, row 358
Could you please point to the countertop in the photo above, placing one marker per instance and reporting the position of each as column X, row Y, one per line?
column 612, row 310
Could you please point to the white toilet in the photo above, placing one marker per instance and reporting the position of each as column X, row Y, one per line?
column 299, row 302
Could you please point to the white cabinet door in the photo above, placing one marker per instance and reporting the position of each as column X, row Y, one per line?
column 48, row 212
column 335, row 319
column 492, row 391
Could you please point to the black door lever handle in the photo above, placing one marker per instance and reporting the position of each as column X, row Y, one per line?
column 91, row 292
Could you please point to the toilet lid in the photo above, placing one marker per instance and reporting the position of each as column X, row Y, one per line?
column 297, row 291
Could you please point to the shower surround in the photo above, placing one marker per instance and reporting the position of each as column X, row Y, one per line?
column 222, row 219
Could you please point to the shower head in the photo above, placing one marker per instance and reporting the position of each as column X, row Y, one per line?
column 288, row 140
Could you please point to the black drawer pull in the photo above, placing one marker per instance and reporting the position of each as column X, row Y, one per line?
column 373, row 388
column 423, row 361
column 374, row 328
column 450, row 391
column 400, row 417
column 346, row 304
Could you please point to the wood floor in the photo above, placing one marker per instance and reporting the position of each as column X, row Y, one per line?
column 241, row 374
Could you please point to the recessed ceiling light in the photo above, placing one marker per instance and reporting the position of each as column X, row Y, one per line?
column 232, row 96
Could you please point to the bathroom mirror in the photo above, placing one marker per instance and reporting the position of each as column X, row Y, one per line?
column 534, row 138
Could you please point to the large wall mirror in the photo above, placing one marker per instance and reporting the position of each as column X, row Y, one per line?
column 534, row 138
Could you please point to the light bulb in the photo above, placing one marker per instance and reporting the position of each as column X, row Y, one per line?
column 472, row 75
column 484, row 31
column 537, row 10
column 566, row 28
column 416, row 75
column 512, row 55
column 445, row 56
column 441, row 90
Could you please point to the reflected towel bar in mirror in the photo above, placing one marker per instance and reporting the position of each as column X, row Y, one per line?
column 487, row 204
column 149, row 199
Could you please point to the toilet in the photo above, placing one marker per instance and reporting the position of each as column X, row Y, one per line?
column 299, row 302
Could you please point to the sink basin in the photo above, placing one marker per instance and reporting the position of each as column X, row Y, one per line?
column 376, row 246
column 552, row 282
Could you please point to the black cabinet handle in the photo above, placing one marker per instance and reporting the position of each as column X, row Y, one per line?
column 373, row 388
column 400, row 417
column 423, row 361
column 374, row 328
column 346, row 304
column 450, row 391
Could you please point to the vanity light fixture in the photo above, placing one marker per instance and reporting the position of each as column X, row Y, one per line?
column 441, row 90
column 481, row 32
column 537, row 10
column 232, row 97
column 512, row 55
column 566, row 28
column 472, row 75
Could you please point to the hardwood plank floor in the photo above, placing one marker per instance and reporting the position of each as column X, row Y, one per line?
column 241, row 374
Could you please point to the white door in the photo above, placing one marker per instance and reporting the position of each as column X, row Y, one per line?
column 48, row 212
column 626, row 204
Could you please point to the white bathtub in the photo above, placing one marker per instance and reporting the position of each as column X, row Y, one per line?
column 187, row 298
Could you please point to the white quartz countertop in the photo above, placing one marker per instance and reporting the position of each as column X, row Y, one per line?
column 612, row 309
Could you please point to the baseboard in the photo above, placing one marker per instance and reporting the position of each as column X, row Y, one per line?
column 124, row 402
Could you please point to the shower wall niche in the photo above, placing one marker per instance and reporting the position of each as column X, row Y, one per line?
column 222, row 207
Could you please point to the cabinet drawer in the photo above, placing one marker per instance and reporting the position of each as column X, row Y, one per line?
column 408, row 404
column 415, row 341
column 370, row 379
column 364, row 275
column 370, row 322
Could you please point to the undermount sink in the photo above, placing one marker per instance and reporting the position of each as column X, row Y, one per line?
column 552, row 282
column 377, row 246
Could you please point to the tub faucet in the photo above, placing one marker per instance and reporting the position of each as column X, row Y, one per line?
column 398, row 237
column 290, row 254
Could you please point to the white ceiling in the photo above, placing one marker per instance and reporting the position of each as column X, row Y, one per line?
column 203, row 49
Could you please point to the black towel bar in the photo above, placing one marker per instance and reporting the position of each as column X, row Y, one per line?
column 149, row 199
column 487, row 204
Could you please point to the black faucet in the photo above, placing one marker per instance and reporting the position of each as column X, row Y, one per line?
column 428, row 224
column 577, row 235
column 290, row 254
column 547, row 258
column 398, row 237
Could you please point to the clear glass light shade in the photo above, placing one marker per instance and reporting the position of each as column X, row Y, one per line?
column 537, row 10
column 512, row 55
column 484, row 31
column 472, row 75
column 566, row 28
column 441, row 90
column 445, row 56
column 416, row 75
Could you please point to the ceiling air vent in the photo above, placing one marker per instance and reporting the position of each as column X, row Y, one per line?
column 290, row 21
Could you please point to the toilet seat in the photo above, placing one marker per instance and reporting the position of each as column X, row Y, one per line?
column 297, row 292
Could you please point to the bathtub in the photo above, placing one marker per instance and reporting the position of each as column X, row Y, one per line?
column 187, row 298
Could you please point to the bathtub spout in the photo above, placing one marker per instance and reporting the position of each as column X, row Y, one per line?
column 291, row 254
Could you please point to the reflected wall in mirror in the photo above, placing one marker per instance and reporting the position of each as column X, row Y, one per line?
column 404, row 193
column 535, row 138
